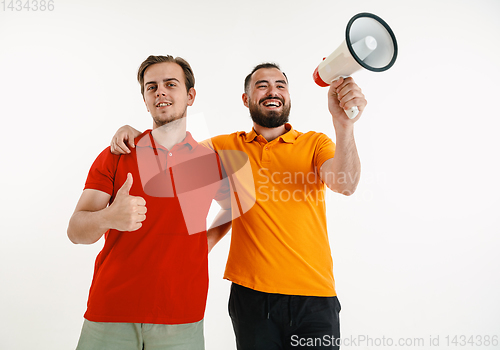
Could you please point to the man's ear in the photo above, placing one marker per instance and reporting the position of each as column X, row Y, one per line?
column 191, row 96
column 245, row 97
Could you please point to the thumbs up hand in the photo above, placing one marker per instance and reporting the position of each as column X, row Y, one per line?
column 127, row 212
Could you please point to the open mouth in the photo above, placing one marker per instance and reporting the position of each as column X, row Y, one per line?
column 164, row 104
column 272, row 103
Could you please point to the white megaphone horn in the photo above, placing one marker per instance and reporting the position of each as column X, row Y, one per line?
column 369, row 43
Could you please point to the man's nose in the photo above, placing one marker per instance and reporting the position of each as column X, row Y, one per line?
column 160, row 92
column 272, row 91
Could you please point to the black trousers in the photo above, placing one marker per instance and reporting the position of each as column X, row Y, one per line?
column 265, row 321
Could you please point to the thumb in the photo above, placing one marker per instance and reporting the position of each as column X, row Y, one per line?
column 131, row 142
column 127, row 185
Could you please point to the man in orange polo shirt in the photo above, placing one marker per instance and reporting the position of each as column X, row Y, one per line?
column 283, row 293
column 150, row 280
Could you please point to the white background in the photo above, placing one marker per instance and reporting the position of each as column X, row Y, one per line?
column 415, row 249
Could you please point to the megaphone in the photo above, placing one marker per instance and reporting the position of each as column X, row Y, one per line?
column 369, row 43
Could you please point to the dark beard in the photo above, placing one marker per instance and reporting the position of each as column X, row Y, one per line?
column 273, row 119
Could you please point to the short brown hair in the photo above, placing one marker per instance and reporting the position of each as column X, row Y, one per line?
column 261, row 66
column 188, row 72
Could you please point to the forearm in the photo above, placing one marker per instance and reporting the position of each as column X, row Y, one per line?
column 219, row 228
column 345, row 169
column 87, row 227
column 342, row 172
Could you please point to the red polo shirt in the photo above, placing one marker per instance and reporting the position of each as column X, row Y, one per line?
column 159, row 273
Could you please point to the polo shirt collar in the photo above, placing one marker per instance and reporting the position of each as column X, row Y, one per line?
column 249, row 137
column 189, row 141
column 146, row 140
column 289, row 137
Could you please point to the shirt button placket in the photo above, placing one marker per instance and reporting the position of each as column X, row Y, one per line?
column 169, row 159
column 266, row 154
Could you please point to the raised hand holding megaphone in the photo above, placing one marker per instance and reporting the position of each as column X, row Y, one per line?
column 369, row 43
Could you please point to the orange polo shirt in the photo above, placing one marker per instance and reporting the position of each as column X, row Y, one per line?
column 279, row 240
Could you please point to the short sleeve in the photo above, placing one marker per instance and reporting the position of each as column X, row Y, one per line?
column 102, row 173
column 215, row 143
column 325, row 149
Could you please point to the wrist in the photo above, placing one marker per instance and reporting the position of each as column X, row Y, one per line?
column 106, row 219
column 343, row 129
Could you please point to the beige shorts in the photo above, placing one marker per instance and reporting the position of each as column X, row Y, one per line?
column 139, row 336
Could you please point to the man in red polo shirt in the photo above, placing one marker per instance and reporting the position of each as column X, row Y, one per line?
column 150, row 280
